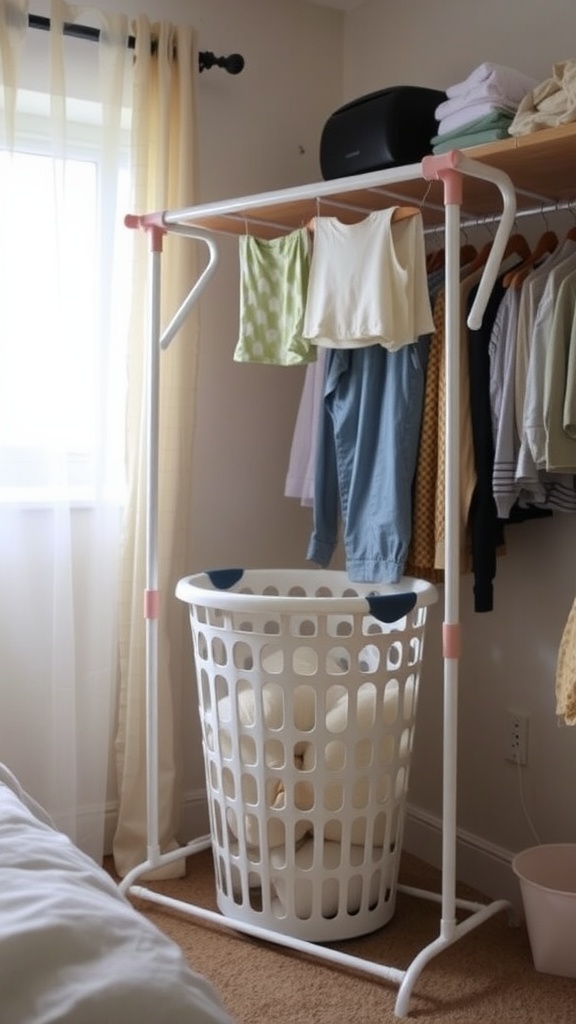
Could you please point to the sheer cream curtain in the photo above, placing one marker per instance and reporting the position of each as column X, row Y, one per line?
column 63, row 172
column 163, row 157
column 71, row 536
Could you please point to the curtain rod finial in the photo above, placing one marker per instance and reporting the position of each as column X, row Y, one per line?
column 232, row 64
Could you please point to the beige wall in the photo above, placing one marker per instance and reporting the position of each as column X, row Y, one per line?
column 509, row 654
column 435, row 44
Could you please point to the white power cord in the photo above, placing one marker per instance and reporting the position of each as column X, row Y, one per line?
column 524, row 807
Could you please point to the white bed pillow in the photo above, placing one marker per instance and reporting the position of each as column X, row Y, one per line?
column 72, row 949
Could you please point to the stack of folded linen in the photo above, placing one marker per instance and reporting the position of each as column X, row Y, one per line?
column 549, row 104
column 481, row 108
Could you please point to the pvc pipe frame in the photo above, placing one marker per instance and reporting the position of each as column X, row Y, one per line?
column 450, row 168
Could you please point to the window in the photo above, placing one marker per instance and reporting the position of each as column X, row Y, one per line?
column 63, row 319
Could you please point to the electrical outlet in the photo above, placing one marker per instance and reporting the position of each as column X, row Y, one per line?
column 517, row 737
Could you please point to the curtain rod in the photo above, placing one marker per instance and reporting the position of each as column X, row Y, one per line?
column 233, row 64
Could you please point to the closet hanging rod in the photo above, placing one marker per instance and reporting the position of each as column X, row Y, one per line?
column 423, row 203
column 561, row 206
column 233, row 64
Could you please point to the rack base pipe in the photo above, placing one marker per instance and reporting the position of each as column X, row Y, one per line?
column 405, row 979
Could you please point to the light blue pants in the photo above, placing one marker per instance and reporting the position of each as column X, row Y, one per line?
column 366, row 456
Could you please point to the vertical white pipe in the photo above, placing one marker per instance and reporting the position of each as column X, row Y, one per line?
column 151, row 609
column 451, row 578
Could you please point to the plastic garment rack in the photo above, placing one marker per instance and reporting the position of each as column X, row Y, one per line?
column 451, row 170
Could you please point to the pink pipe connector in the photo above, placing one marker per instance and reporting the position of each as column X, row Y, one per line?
column 153, row 223
column 444, row 167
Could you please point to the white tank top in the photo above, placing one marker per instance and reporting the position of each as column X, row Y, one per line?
column 368, row 283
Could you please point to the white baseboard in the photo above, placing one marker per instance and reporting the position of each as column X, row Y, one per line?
column 480, row 864
column 194, row 821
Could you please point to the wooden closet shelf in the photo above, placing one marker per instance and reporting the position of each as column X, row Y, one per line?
column 541, row 166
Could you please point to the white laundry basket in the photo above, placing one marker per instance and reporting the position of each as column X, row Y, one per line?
column 308, row 688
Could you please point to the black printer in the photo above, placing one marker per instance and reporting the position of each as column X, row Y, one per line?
column 383, row 129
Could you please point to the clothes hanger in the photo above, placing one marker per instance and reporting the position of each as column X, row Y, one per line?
column 481, row 256
column 402, row 212
column 515, row 246
column 435, row 260
column 435, row 256
column 479, row 259
column 399, row 213
column 571, row 233
column 546, row 244
column 468, row 253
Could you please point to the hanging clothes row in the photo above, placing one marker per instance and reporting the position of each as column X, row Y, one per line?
column 510, row 367
column 480, row 527
column 368, row 445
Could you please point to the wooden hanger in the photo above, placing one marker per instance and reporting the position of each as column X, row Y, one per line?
column 479, row 259
column 435, row 255
column 468, row 253
column 400, row 213
column 435, row 260
column 547, row 243
column 515, row 246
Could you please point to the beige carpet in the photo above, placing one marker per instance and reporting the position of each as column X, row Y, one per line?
column 486, row 977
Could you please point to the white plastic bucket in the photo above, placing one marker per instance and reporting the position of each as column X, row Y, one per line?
column 547, row 876
column 308, row 689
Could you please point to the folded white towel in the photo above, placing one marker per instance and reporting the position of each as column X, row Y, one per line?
column 468, row 114
column 483, row 104
column 506, row 82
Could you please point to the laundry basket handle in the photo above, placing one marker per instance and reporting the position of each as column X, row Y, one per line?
column 223, row 579
column 391, row 607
